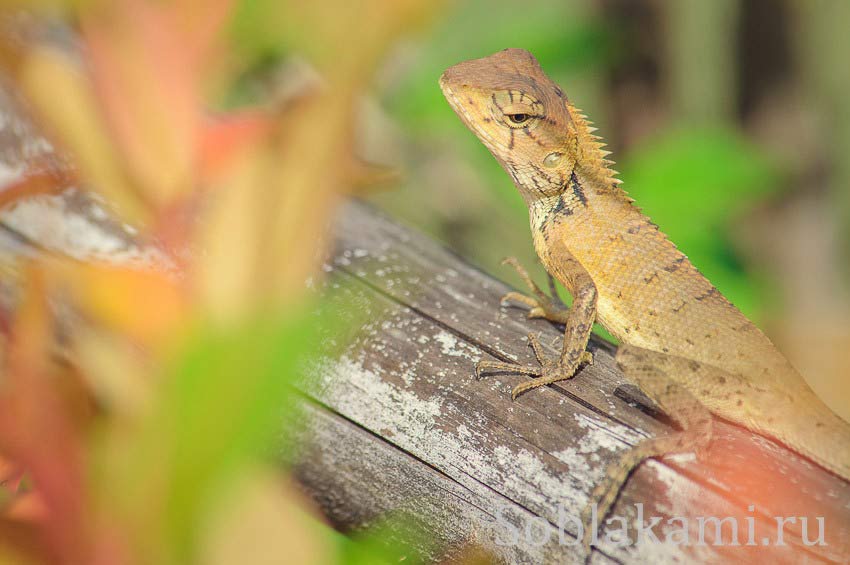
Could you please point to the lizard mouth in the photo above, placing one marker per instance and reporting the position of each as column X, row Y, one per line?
column 444, row 82
column 457, row 105
column 449, row 94
column 456, row 102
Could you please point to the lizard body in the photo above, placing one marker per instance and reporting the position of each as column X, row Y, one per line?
column 687, row 346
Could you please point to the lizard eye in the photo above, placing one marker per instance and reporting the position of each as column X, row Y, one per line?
column 519, row 118
column 517, row 114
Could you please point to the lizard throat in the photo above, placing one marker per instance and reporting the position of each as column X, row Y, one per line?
column 563, row 197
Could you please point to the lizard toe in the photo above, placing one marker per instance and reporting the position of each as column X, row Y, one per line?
column 505, row 367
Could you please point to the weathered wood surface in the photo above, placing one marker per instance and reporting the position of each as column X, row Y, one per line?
column 401, row 424
column 397, row 424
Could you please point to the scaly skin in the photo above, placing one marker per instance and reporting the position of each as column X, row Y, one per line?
column 687, row 346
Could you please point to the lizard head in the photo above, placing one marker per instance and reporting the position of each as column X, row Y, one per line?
column 520, row 115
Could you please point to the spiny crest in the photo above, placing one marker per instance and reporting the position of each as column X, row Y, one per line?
column 594, row 159
column 593, row 151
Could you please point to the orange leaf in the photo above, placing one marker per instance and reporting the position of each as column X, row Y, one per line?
column 200, row 22
column 36, row 430
column 27, row 507
column 146, row 305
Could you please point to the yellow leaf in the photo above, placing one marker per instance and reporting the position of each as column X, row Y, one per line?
column 144, row 305
column 119, row 379
column 265, row 521
column 226, row 277
column 62, row 98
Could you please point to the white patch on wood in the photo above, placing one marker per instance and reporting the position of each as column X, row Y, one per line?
column 465, row 450
column 453, row 347
column 10, row 174
column 46, row 220
column 586, row 467
column 607, row 434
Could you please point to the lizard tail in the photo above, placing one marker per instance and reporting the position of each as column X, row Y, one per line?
column 822, row 436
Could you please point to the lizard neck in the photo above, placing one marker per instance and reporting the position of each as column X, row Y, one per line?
column 583, row 199
column 586, row 183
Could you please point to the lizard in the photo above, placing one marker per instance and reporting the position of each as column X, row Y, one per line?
column 681, row 341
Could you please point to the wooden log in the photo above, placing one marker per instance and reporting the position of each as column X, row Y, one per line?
column 402, row 424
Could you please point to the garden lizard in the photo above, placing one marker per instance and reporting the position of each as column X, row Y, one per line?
column 685, row 345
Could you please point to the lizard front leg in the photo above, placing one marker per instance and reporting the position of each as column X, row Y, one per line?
column 652, row 371
column 578, row 321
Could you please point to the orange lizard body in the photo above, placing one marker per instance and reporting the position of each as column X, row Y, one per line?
column 687, row 347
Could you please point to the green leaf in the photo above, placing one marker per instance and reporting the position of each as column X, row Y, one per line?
column 227, row 396
column 559, row 37
column 376, row 546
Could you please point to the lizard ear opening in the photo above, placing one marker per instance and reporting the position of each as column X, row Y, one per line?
column 552, row 160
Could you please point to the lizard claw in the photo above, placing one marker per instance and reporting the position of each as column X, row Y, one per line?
column 504, row 367
column 549, row 371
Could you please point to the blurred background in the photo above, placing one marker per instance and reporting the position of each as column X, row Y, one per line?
column 238, row 126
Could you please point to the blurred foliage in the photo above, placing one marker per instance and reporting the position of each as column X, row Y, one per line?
column 154, row 437
column 562, row 42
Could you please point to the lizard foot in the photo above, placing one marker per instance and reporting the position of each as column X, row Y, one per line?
column 540, row 305
column 548, row 372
